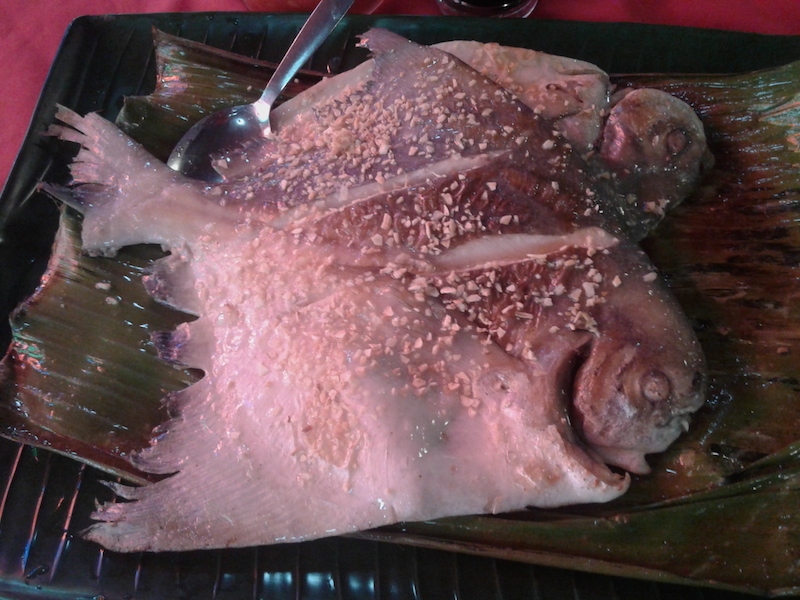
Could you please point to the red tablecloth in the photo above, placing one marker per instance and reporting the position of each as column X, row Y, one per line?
column 31, row 31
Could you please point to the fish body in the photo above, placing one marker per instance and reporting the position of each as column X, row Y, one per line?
column 416, row 300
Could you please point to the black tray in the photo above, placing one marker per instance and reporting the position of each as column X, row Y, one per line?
column 45, row 499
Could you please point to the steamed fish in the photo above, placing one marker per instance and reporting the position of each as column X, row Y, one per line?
column 419, row 298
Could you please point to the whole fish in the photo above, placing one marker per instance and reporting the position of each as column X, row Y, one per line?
column 418, row 299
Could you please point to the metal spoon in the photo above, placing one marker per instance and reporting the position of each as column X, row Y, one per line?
column 231, row 127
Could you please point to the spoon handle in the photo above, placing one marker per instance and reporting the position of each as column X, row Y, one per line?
column 316, row 29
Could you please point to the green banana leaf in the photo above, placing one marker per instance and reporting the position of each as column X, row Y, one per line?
column 721, row 507
column 195, row 80
column 82, row 376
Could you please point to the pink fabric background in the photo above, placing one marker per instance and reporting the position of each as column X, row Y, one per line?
column 31, row 31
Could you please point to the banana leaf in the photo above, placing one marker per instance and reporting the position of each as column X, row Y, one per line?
column 195, row 80
column 722, row 506
column 88, row 403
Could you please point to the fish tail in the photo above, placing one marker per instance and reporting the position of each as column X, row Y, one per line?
column 127, row 195
column 104, row 157
column 171, row 282
column 71, row 129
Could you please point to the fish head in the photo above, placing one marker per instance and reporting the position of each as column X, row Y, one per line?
column 656, row 148
column 644, row 375
column 650, row 130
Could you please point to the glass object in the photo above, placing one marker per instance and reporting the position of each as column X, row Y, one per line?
column 487, row 8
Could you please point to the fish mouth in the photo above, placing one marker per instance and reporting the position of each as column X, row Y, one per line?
column 633, row 458
column 611, row 428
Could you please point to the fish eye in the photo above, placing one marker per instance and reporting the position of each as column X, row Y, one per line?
column 676, row 141
column 655, row 386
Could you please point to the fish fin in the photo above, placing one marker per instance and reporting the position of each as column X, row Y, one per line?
column 116, row 534
column 189, row 345
column 382, row 41
column 107, row 156
column 128, row 196
column 63, row 194
column 126, row 492
column 169, row 344
column 171, row 282
column 113, row 531
column 166, row 453
column 393, row 55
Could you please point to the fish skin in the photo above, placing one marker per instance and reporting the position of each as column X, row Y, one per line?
column 574, row 95
column 512, row 407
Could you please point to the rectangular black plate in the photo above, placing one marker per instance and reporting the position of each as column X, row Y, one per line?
column 45, row 499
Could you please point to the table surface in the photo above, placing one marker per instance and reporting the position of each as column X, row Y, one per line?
column 31, row 31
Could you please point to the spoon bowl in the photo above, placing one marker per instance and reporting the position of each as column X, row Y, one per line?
column 231, row 128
